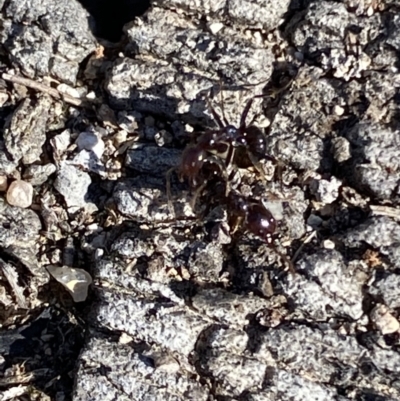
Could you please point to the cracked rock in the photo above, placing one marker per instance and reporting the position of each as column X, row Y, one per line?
column 73, row 184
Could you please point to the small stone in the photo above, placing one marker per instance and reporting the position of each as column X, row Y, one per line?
column 338, row 110
column 61, row 142
column 68, row 90
column 341, row 149
column 75, row 281
column 38, row 174
column 215, row 27
column 326, row 191
column 314, row 221
column 73, row 184
column 91, row 142
column 3, row 98
column 3, row 183
column 20, row 194
column 328, row 244
column 385, row 322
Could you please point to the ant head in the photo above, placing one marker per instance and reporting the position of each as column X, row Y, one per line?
column 231, row 132
column 235, row 136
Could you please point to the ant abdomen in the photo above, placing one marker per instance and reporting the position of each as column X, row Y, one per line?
column 260, row 222
column 255, row 217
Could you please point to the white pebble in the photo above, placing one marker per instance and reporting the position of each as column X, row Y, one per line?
column 3, row 183
column 75, row 281
column 92, row 142
column 385, row 322
column 215, row 27
column 20, row 193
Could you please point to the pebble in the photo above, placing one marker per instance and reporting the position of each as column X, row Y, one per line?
column 37, row 174
column 384, row 321
column 75, row 281
column 73, row 184
column 3, row 183
column 326, row 191
column 20, row 194
column 92, row 142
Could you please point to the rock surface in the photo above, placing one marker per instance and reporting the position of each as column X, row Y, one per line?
column 185, row 303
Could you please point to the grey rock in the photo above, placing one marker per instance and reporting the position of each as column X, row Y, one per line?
column 326, row 191
column 206, row 261
column 378, row 232
column 152, row 160
column 312, row 353
column 184, row 42
column 285, row 386
column 57, row 36
column 133, row 376
column 341, row 149
column 325, row 288
column 7, row 166
column 26, row 133
column 376, row 153
column 73, row 184
column 171, row 326
column 388, row 289
column 19, row 227
column 142, row 204
column 226, row 307
column 253, row 13
column 37, row 174
column 136, row 83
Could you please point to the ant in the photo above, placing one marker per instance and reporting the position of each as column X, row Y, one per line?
column 215, row 146
column 214, row 155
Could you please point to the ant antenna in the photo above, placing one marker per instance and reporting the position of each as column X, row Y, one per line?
column 222, row 102
column 217, row 118
column 169, row 193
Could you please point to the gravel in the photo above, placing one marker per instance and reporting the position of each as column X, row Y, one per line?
column 147, row 289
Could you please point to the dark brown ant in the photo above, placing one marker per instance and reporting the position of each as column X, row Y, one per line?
column 219, row 147
column 213, row 155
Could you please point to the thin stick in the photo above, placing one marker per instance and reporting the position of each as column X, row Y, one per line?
column 305, row 241
column 16, row 79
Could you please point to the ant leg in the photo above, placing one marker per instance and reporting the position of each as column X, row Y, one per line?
column 256, row 165
column 222, row 106
column 284, row 259
column 217, row 118
column 169, row 193
column 246, row 111
column 229, row 158
column 196, row 194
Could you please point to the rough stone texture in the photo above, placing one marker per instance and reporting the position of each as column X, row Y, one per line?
column 73, row 184
column 143, row 381
column 187, row 304
column 326, row 288
column 46, row 38
column 26, row 133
